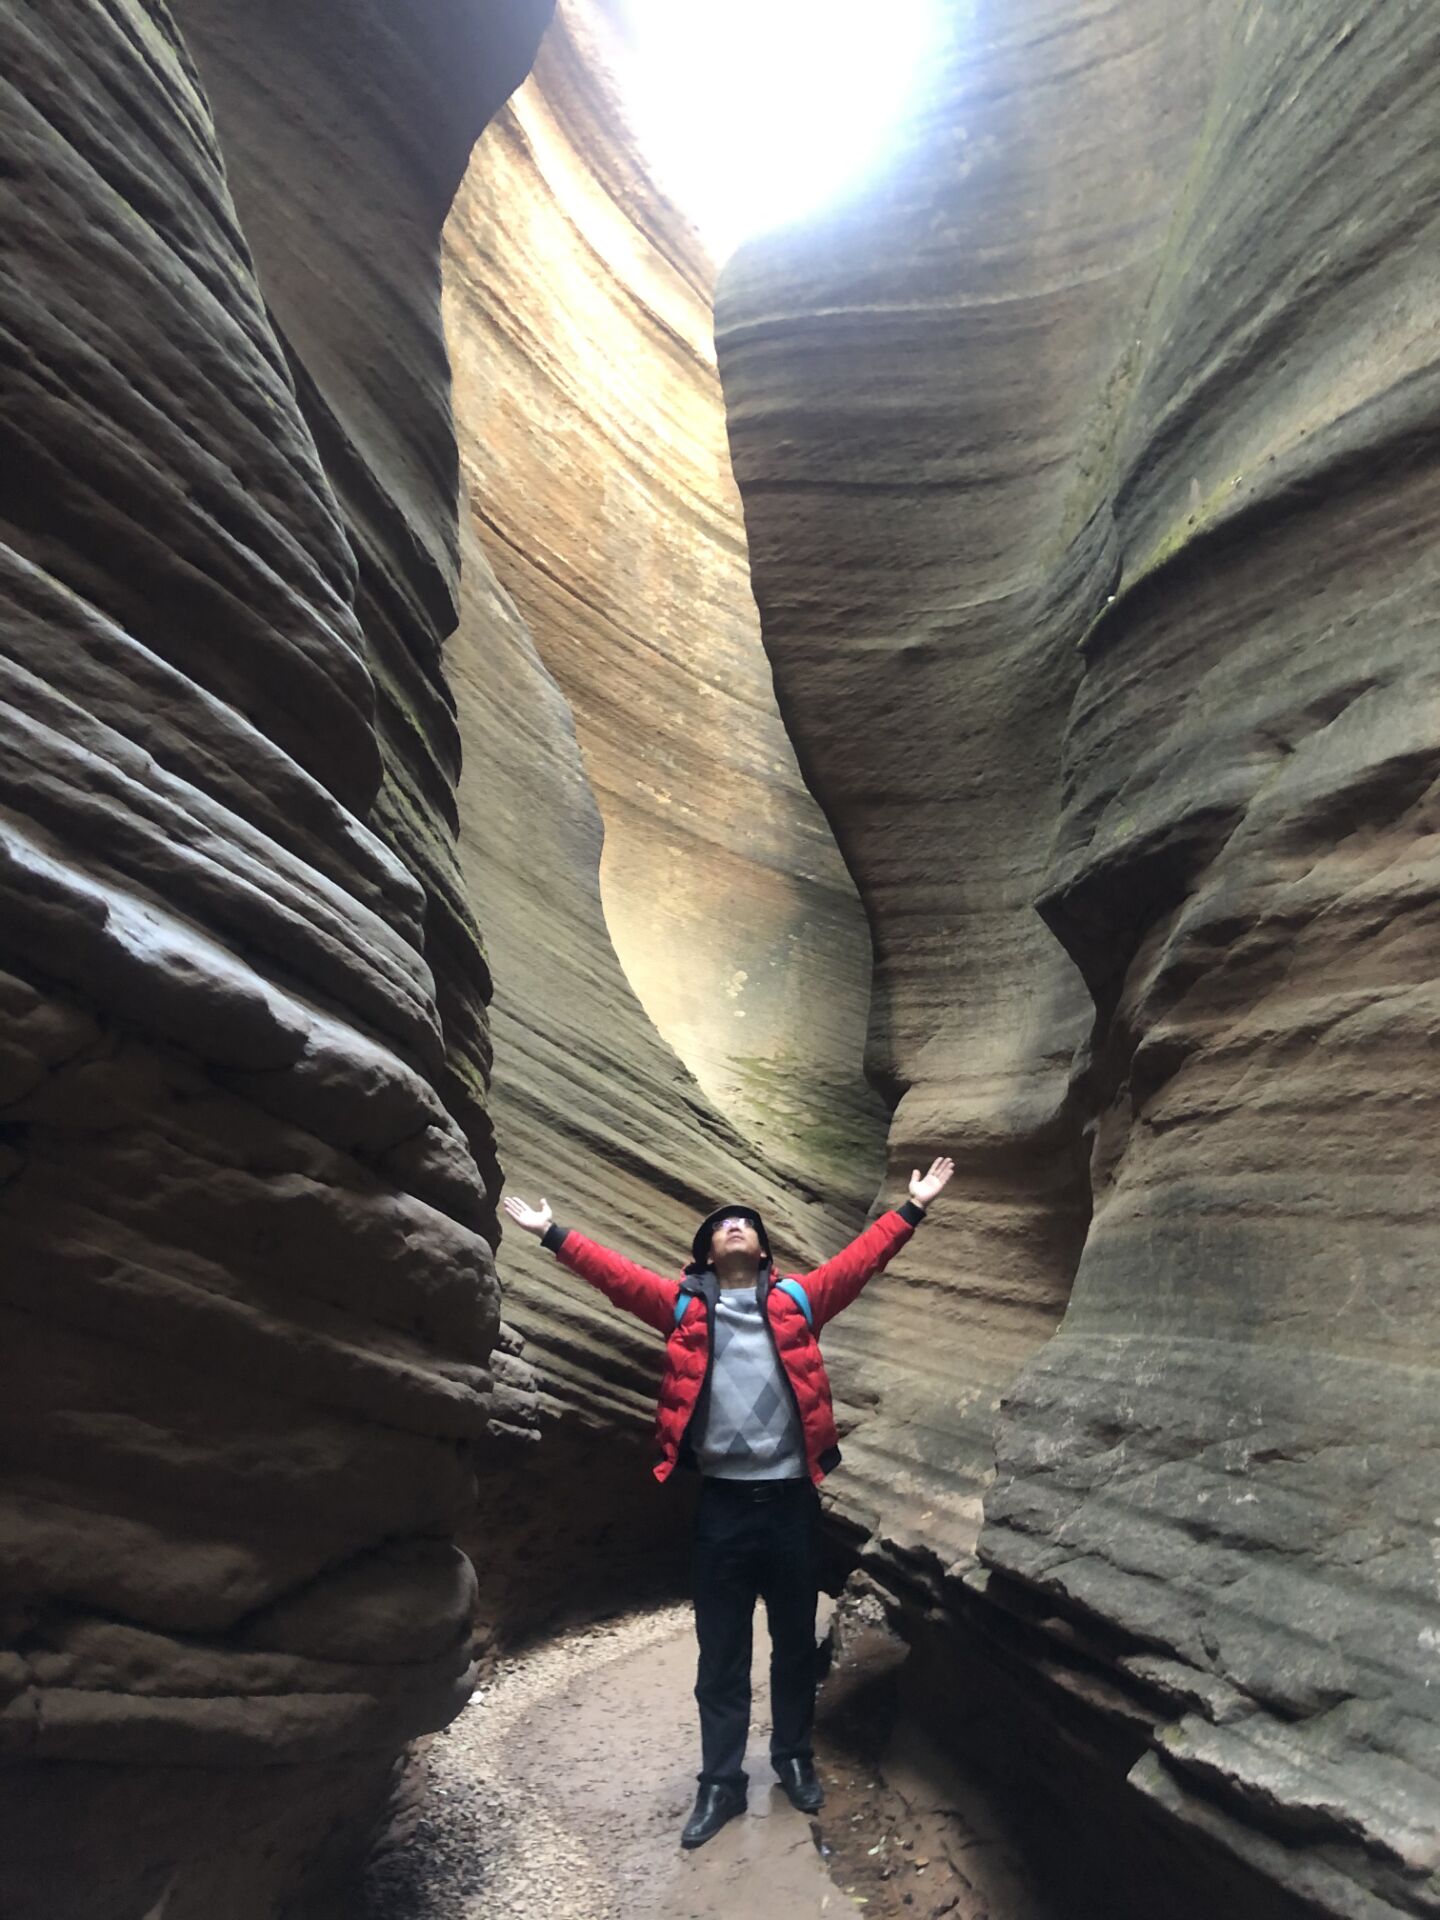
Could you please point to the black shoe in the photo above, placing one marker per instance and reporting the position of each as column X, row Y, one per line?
column 802, row 1789
column 713, row 1807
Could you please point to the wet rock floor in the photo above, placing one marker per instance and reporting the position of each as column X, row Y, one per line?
column 560, row 1792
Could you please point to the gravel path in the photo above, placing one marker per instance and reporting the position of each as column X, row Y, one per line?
column 560, row 1792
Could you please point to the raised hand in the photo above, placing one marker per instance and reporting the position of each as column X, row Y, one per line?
column 532, row 1219
column 923, row 1190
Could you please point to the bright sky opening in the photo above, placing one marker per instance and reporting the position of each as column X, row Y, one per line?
column 755, row 112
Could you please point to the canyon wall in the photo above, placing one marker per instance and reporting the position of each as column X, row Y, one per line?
column 247, row 1175
column 681, row 962
column 1088, row 457
column 249, row 1163
column 909, row 379
column 592, row 430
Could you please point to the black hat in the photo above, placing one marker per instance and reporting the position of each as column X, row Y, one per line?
column 700, row 1246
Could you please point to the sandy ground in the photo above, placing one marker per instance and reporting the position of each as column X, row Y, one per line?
column 560, row 1792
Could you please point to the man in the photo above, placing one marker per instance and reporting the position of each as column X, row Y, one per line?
column 745, row 1398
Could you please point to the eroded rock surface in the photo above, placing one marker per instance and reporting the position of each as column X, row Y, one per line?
column 1241, row 1400
column 1117, row 393
column 598, row 1114
column 250, row 1304
column 908, row 380
column 1088, row 457
column 592, row 431
column 681, row 965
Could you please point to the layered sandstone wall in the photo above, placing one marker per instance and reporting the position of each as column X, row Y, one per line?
column 1117, row 392
column 1087, row 456
column 908, row 379
column 250, row 1169
column 681, row 963
column 250, row 1305
column 578, row 306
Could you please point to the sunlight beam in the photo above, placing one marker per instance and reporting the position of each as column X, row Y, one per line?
column 755, row 112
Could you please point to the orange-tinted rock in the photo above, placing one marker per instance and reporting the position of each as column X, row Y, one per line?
column 680, row 963
column 594, row 453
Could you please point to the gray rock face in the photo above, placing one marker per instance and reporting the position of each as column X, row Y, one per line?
column 249, row 1302
column 1124, row 366
column 908, row 381
column 1245, row 870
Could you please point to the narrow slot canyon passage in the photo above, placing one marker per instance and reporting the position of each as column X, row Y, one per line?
column 824, row 868
column 900, row 715
column 700, row 920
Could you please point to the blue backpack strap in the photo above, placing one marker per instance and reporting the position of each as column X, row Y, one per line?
column 682, row 1301
column 802, row 1300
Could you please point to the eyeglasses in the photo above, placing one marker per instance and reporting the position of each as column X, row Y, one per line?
column 734, row 1220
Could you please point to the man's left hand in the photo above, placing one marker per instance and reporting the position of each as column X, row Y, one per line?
column 924, row 1189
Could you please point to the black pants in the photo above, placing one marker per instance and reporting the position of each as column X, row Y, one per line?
column 755, row 1541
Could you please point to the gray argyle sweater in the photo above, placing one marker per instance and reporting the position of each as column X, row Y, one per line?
column 749, row 1426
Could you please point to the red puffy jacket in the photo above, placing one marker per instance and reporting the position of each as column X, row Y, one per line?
column 826, row 1291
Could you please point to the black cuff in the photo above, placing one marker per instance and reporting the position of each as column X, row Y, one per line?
column 911, row 1212
column 554, row 1237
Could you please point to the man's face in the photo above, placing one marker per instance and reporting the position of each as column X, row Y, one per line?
column 734, row 1234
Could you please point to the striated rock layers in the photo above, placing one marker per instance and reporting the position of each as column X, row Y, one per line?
column 248, row 1296
column 681, row 963
column 1089, row 462
column 578, row 307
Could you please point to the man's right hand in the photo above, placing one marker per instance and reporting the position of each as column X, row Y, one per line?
column 532, row 1219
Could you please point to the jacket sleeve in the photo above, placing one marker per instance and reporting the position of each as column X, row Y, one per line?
column 647, row 1295
column 832, row 1287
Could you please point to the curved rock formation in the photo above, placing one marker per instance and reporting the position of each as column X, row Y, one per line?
column 1087, row 458
column 250, row 1305
column 681, row 964
column 592, row 430
column 907, row 381
column 593, row 1110
column 1239, row 1408
column 1125, row 369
